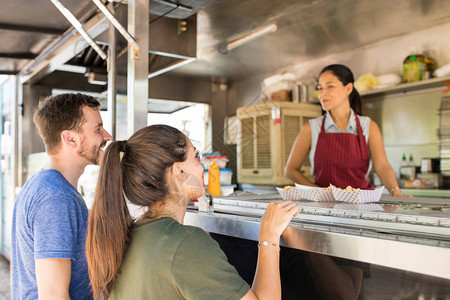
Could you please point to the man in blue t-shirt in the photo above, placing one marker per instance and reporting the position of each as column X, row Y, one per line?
column 50, row 216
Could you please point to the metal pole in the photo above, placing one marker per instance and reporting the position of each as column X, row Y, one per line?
column 2, row 192
column 77, row 25
column 112, row 76
column 20, row 112
column 15, row 137
column 110, row 16
column 137, row 81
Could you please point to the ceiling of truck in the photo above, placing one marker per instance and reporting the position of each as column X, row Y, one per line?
column 306, row 29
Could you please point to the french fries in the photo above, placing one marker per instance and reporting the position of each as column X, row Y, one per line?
column 350, row 189
column 288, row 187
column 347, row 189
column 329, row 188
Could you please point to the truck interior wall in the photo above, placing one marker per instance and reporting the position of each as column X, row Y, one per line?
column 409, row 124
column 180, row 89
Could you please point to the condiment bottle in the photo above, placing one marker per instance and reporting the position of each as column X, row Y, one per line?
column 214, row 179
column 407, row 169
column 403, row 164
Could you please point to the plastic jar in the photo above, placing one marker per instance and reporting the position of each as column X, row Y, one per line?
column 414, row 68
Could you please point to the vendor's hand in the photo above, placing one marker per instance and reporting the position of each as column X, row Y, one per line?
column 398, row 193
column 275, row 220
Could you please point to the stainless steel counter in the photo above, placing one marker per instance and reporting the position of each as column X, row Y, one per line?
column 406, row 234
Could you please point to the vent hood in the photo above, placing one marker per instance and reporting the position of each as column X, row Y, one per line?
column 172, row 43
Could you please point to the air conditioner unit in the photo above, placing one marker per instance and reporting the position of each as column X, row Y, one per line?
column 266, row 133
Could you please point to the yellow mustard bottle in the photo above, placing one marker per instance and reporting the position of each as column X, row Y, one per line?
column 214, row 179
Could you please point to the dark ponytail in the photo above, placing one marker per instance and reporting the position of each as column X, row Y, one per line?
column 345, row 75
column 140, row 176
column 110, row 223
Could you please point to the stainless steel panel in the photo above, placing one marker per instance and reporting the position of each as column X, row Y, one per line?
column 398, row 254
column 402, row 235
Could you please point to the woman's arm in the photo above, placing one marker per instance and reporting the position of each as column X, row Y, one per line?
column 267, row 282
column 380, row 162
column 299, row 151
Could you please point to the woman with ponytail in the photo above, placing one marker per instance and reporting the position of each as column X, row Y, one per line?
column 156, row 256
column 342, row 144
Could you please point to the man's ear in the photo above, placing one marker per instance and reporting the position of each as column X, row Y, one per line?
column 69, row 138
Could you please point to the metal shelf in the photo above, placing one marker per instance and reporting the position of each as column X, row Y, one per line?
column 406, row 87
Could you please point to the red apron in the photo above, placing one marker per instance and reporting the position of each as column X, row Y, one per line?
column 342, row 159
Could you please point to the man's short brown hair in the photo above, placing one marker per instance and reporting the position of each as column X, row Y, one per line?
column 58, row 113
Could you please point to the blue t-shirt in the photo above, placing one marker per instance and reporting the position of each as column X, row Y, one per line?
column 49, row 221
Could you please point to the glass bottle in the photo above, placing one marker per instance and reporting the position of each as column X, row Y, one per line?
column 414, row 67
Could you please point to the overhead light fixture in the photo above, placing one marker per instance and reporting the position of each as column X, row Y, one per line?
column 72, row 69
column 224, row 48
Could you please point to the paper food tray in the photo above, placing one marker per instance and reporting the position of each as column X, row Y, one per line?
column 357, row 196
column 314, row 193
column 291, row 194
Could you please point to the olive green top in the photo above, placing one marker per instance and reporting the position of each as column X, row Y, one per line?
column 167, row 260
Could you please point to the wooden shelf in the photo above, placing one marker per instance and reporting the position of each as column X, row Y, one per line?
column 406, row 87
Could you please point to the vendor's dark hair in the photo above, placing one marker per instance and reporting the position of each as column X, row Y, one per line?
column 133, row 170
column 345, row 75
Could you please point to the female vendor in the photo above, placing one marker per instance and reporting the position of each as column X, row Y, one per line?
column 342, row 142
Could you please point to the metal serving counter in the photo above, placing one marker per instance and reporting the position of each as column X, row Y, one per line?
column 406, row 234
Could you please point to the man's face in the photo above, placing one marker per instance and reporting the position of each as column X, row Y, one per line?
column 93, row 136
